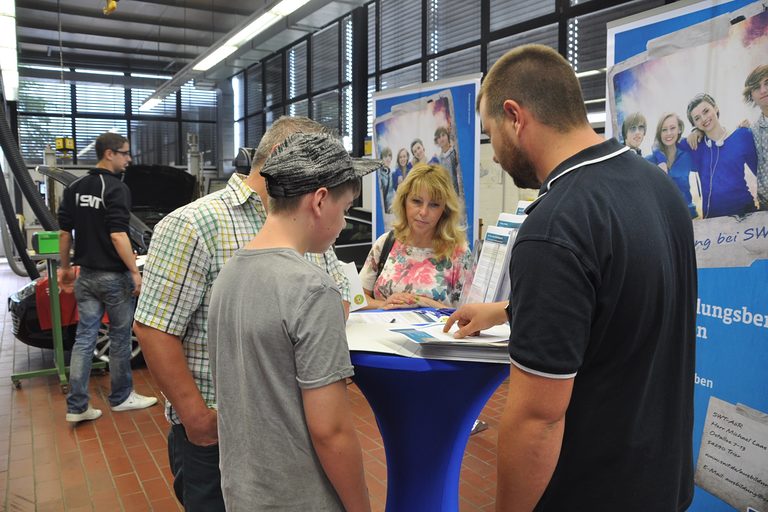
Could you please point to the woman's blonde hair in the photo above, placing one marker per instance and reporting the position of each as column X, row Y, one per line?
column 435, row 181
column 680, row 127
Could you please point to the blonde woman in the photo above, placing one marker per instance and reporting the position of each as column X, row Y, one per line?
column 671, row 157
column 429, row 257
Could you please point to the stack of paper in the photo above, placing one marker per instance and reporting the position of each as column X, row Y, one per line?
column 429, row 342
column 492, row 267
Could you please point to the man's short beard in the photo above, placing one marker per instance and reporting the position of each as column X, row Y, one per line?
column 521, row 171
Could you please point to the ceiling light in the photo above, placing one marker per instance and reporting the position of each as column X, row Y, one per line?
column 219, row 54
column 228, row 45
column 150, row 104
column 99, row 72
column 8, row 56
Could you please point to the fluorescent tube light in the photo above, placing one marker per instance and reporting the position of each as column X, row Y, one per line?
column 230, row 45
column 8, row 59
column 287, row 7
column 149, row 75
column 150, row 104
column 257, row 26
column 591, row 72
column 219, row 54
column 99, row 72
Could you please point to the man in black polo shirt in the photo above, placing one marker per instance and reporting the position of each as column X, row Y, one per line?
column 97, row 208
column 599, row 412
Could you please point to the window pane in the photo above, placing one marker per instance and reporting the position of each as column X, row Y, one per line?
column 300, row 108
column 270, row 116
column 400, row 31
column 346, row 49
column 402, row 77
column 372, row 42
column 254, row 131
column 239, row 130
column 346, row 117
column 587, row 34
column 545, row 35
column 325, row 110
column 206, row 141
column 325, row 58
column 87, row 130
column 154, row 142
column 254, row 89
column 44, row 97
column 274, row 80
column 197, row 104
column 167, row 107
column 99, row 98
column 511, row 12
column 451, row 23
column 371, row 90
column 455, row 64
column 37, row 131
column 238, row 95
column 593, row 86
column 297, row 70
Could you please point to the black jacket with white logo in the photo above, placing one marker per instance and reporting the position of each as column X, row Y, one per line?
column 95, row 206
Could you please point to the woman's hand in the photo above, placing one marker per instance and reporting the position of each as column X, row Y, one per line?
column 404, row 300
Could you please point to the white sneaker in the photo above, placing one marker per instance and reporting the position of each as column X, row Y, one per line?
column 89, row 414
column 135, row 401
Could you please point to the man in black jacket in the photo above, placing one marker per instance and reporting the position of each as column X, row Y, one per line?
column 97, row 208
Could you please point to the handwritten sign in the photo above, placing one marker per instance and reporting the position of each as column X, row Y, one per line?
column 733, row 458
column 731, row 241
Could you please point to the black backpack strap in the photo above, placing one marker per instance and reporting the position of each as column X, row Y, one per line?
column 388, row 243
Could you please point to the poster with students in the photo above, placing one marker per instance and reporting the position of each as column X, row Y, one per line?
column 687, row 88
column 432, row 123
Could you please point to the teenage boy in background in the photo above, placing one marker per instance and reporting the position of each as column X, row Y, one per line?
column 189, row 247
column 278, row 347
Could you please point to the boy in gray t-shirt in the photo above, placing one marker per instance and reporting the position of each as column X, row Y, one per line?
column 278, row 348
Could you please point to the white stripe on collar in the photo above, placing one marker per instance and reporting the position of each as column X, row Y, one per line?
column 573, row 168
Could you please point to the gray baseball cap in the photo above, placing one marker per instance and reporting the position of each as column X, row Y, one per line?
column 306, row 162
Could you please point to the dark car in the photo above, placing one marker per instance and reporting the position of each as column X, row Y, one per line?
column 354, row 241
column 152, row 200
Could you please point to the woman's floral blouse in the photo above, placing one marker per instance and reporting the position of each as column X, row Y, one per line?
column 416, row 270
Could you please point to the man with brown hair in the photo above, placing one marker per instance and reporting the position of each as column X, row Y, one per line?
column 756, row 93
column 633, row 131
column 97, row 208
column 602, row 313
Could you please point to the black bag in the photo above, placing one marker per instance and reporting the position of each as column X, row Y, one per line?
column 388, row 243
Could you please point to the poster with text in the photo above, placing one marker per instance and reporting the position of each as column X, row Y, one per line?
column 659, row 64
column 431, row 123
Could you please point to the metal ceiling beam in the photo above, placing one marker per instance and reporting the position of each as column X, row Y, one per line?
column 91, row 61
column 125, row 81
column 54, row 44
column 220, row 7
column 92, row 30
column 95, row 14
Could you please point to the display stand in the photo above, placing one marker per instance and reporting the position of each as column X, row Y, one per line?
column 425, row 410
column 58, row 343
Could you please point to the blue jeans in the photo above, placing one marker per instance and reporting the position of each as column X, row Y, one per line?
column 95, row 291
column 196, row 476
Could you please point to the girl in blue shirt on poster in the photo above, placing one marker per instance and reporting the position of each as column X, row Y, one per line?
column 671, row 158
column 401, row 168
column 720, row 159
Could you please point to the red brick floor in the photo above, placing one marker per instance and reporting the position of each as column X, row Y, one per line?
column 120, row 462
